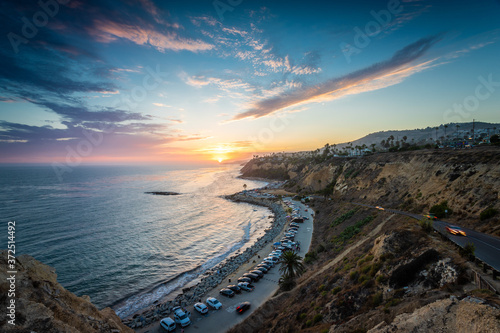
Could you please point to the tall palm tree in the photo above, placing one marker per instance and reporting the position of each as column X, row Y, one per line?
column 445, row 127
column 291, row 265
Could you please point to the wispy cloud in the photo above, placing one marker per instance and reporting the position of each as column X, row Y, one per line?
column 374, row 77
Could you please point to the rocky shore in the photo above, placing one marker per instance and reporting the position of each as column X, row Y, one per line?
column 218, row 273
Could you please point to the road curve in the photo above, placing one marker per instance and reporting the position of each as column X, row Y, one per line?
column 487, row 246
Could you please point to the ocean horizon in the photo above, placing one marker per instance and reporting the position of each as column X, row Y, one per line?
column 109, row 239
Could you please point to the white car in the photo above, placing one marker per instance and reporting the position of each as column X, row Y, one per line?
column 201, row 308
column 181, row 317
column 168, row 324
column 214, row 303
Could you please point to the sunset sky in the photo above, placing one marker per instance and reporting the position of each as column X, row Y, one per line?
column 183, row 81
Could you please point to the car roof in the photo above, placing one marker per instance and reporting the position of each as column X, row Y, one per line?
column 168, row 320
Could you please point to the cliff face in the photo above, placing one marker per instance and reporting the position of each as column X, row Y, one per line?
column 43, row 305
column 413, row 181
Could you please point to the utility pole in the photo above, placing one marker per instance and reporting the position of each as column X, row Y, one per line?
column 473, row 137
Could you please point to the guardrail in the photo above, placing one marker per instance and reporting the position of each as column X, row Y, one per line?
column 480, row 282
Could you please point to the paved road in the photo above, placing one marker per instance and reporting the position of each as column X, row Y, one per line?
column 222, row 320
column 487, row 247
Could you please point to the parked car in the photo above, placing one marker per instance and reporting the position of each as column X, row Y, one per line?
column 257, row 272
column 266, row 266
column 201, row 308
column 430, row 216
column 226, row 292
column 455, row 230
column 252, row 276
column 262, row 269
column 168, row 324
column 242, row 307
column 244, row 279
column 234, row 288
column 246, row 286
column 181, row 317
column 214, row 303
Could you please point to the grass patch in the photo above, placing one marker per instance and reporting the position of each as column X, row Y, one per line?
column 351, row 231
column 343, row 217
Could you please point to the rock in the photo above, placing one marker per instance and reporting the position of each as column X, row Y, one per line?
column 43, row 305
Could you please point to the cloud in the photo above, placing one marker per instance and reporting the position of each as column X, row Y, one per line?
column 162, row 105
column 374, row 77
column 106, row 31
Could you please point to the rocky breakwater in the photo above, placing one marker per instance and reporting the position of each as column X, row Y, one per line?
column 43, row 305
column 218, row 273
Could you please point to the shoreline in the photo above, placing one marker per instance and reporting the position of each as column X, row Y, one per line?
column 200, row 286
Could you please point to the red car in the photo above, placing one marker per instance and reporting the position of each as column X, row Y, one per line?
column 430, row 217
column 243, row 307
column 455, row 230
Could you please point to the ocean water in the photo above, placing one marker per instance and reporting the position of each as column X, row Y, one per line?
column 107, row 239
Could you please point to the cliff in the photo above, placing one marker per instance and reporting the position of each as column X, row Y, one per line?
column 43, row 305
column 468, row 180
column 371, row 271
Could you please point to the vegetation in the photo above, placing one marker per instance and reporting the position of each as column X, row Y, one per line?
column 487, row 213
column 291, row 266
column 343, row 217
column 351, row 231
column 310, row 257
column 441, row 210
column 468, row 251
column 426, row 225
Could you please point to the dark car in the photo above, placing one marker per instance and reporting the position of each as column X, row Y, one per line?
column 226, row 292
column 252, row 276
column 242, row 307
column 234, row 288
column 257, row 272
column 268, row 267
column 262, row 269
column 244, row 279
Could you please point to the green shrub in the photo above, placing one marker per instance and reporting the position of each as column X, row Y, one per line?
column 366, row 268
column 354, row 276
column 310, row 257
column 321, row 288
column 487, row 213
column 468, row 251
column 377, row 299
column 426, row 225
column 343, row 217
column 317, row 318
column 440, row 210
column 302, row 316
column 336, row 290
column 381, row 279
column 324, row 293
column 309, row 323
column 392, row 302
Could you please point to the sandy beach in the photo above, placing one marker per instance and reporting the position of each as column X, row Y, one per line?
column 223, row 319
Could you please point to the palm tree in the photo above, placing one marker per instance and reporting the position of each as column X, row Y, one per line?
column 445, row 127
column 291, row 265
column 457, row 126
column 437, row 132
column 244, row 187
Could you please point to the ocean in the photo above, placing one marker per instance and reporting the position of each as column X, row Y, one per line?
column 124, row 248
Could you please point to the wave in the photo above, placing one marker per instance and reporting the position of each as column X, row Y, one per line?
column 131, row 304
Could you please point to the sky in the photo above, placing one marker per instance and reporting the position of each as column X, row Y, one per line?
column 216, row 81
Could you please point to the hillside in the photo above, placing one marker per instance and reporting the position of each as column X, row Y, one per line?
column 467, row 180
column 370, row 271
column 43, row 305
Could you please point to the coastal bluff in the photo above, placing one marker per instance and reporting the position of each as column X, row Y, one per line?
column 42, row 305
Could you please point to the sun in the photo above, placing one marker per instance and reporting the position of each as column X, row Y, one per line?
column 220, row 159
